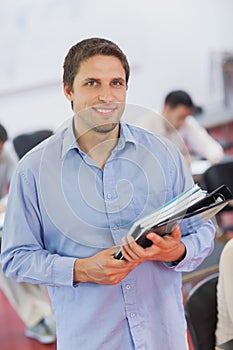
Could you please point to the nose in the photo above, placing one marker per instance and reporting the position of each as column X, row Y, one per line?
column 105, row 95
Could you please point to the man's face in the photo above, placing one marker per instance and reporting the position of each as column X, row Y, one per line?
column 177, row 115
column 99, row 86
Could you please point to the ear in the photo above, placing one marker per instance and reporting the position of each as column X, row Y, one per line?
column 166, row 109
column 68, row 93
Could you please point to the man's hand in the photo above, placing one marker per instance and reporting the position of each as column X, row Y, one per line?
column 102, row 268
column 168, row 248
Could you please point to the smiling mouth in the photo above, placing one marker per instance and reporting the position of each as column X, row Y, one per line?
column 105, row 111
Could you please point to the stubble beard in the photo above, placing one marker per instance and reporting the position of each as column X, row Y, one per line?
column 106, row 128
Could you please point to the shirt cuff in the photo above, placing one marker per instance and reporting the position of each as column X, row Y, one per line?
column 176, row 262
column 190, row 253
column 63, row 271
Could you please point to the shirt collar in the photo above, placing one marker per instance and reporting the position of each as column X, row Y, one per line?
column 70, row 142
column 126, row 134
column 69, row 139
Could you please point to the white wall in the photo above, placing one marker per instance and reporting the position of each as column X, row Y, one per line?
column 168, row 43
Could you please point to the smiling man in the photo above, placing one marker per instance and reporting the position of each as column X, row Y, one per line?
column 101, row 85
column 72, row 201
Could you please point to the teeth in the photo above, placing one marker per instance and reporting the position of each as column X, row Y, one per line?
column 104, row 110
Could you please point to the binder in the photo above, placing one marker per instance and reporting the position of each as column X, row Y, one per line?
column 192, row 202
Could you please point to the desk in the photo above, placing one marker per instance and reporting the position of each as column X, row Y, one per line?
column 198, row 167
column 226, row 346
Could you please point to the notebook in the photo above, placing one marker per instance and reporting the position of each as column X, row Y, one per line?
column 192, row 202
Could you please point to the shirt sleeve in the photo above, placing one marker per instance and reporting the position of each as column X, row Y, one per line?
column 24, row 257
column 199, row 244
column 200, row 142
column 197, row 234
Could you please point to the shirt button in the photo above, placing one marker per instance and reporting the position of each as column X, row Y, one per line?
column 132, row 314
column 115, row 228
column 128, row 286
column 109, row 196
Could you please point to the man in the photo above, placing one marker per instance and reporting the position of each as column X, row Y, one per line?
column 29, row 301
column 178, row 109
column 74, row 198
column 182, row 128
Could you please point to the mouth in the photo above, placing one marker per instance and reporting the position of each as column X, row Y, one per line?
column 105, row 111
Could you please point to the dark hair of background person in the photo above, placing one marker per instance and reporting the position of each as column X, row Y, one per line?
column 3, row 134
column 84, row 50
column 179, row 97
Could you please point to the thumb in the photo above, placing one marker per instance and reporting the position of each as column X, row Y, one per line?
column 113, row 249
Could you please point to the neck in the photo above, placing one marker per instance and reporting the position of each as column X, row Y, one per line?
column 98, row 145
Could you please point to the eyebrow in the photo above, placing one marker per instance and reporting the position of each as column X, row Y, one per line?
column 96, row 79
column 88, row 79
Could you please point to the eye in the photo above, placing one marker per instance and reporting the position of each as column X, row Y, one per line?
column 117, row 82
column 91, row 83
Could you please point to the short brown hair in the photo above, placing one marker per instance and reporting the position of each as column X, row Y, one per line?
column 87, row 48
column 179, row 97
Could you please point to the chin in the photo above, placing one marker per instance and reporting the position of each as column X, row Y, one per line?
column 106, row 128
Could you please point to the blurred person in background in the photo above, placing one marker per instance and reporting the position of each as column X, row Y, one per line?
column 8, row 161
column 30, row 301
column 224, row 330
column 177, row 110
column 181, row 127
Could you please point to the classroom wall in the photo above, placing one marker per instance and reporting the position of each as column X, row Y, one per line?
column 171, row 44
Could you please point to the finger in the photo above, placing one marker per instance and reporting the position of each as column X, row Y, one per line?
column 176, row 233
column 156, row 239
column 112, row 250
column 134, row 250
column 129, row 254
column 126, row 255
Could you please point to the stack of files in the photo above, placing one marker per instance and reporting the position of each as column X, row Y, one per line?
column 192, row 202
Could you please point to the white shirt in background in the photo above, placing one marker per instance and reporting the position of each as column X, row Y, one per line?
column 199, row 142
column 224, row 331
column 192, row 138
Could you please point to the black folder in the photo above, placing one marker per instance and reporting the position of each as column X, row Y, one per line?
column 205, row 206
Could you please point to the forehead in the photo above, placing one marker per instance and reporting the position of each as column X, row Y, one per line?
column 101, row 66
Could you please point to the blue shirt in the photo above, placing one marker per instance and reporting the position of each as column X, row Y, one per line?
column 62, row 206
